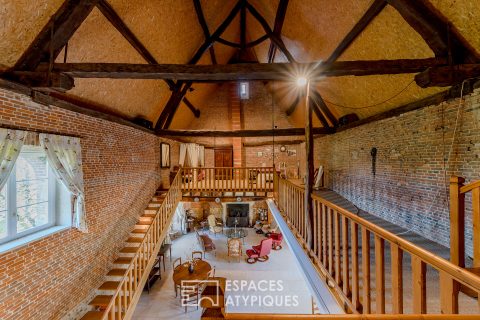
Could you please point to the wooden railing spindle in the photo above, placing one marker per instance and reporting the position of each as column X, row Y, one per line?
column 379, row 275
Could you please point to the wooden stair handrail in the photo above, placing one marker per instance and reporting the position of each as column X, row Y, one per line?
column 110, row 313
column 460, row 274
column 469, row 187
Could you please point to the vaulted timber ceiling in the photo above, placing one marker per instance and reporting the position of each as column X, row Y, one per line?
column 312, row 30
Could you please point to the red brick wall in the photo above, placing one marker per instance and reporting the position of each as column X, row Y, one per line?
column 49, row 277
column 409, row 187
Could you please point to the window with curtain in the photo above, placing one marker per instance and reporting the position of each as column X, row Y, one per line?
column 28, row 199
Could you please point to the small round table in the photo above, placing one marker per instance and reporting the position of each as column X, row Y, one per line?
column 200, row 272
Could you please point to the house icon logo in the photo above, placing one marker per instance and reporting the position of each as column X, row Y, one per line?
column 203, row 293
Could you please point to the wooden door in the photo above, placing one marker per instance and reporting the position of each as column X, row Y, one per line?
column 223, row 158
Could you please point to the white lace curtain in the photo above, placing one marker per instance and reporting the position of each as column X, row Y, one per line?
column 65, row 157
column 193, row 154
column 183, row 153
column 11, row 142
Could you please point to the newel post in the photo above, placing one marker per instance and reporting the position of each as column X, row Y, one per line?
column 457, row 222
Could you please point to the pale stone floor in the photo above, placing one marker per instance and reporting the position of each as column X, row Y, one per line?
column 161, row 302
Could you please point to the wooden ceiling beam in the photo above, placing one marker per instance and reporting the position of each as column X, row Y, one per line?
column 244, row 71
column 314, row 106
column 166, row 117
column 277, row 27
column 273, row 37
column 178, row 93
column 293, row 106
column 42, row 80
column 435, row 29
column 107, row 10
column 203, row 24
column 452, row 93
column 48, row 100
column 64, row 22
column 278, row 42
column 373, row 11
column 321, row 105
column 192, row 108
column 447, row 76
column 241, row 133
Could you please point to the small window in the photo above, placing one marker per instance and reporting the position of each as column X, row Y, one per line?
column 244, row 94
column 27, row 202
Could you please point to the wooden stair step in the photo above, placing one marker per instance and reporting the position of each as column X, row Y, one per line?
column 155, row 203
column 139, row 231
column 116, row 272
column 123, row 260
column 134, row 240
column 129, row 250
column 101, row 301
column 149, row 215
column 144, row 223
column 109, row 285
column 93, row 315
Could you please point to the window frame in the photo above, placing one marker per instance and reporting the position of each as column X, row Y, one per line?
column 12, row 233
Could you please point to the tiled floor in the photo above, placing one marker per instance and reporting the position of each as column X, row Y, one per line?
column 162, row 304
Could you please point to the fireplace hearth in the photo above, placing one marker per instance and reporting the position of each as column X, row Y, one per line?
column 237, row 212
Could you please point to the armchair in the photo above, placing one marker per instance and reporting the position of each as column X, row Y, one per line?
column 260, row 252
column 214, row 226
column 276, row 240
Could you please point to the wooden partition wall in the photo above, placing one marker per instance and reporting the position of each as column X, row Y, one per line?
column 342, row 250
column 126, row 296
column 228, row 179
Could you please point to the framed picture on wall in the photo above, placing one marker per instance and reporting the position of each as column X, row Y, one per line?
column 164, row 155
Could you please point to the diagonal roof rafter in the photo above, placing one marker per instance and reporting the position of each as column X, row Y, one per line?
column 107, row 10
column 178, row 93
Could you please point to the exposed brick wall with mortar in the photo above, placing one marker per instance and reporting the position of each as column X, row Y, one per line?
column 292, row 160
column 49, row 277
column 409, row 187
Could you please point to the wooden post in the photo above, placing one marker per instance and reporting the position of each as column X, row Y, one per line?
column 457, row 222
column 476, row 227
column 309, row 167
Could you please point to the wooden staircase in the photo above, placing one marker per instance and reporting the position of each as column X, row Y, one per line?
column 117, row 296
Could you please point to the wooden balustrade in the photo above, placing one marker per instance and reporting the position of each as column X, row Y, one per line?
column 266, row 316
column 130, row 288
column 228, row 179
column 345, row 260
column 458, row 192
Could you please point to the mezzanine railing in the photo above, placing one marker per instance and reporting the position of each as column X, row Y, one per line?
column 346, row 262
column 228, row 179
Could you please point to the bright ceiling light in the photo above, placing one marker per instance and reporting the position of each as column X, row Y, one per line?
column 301, row 81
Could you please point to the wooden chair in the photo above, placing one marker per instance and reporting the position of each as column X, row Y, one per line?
column 213, row 225
column 234, row 248
column 176, row 263
column 190, row 294
column 211, row 273
column 197, row 255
